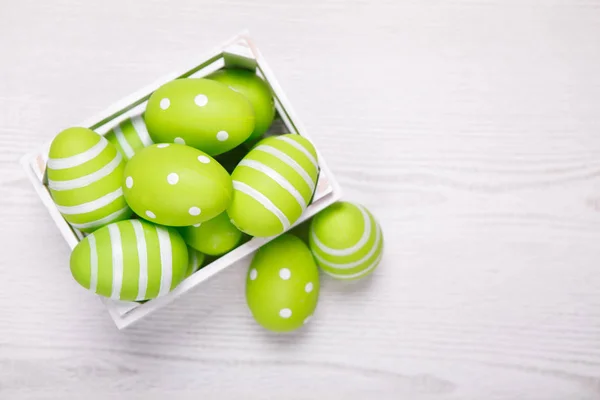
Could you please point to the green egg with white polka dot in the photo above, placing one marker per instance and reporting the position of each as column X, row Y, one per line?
column 130, row 260
column 201, row 113
column 214, row 237
column 256, row 90
column 84, row 178
column 176, row 185
column 346, row 240
column 273, row 185
column 282, row 285
column 129, row 136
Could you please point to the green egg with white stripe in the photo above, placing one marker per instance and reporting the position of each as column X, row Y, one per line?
column 84, row 179
column 130, row 136
column 273, row 185
column 346, row 241
column 130, row 260
column 195, row 261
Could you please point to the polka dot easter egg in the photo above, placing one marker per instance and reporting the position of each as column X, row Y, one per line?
column 256, row 90
column 201, row 113
column 130, row 260
column 214, row 237
column 130, row 136
column 346, row 241
column 282, row 285
column 84, row 179
column 273, row 185
column 176, row 185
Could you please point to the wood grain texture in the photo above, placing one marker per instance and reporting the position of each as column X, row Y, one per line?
column 469, row 127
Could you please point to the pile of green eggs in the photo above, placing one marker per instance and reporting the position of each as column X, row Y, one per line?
column 194, row 177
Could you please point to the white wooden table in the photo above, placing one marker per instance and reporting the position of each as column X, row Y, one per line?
column 470, row 128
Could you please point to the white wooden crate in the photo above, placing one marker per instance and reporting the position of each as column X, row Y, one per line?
column 238, row 51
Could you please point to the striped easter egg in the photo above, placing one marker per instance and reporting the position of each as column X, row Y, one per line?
column 273, row 185
column 130, row 136
column 84, row 178
column 130, row 260
column 346, row 241
column 195, row 261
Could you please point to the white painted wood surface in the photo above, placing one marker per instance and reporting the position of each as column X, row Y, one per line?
column 470, row 128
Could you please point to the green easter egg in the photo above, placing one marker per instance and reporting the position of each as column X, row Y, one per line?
column 214, row 237
column 176, row 185
column 346, row 240
column 195, row 261
column 273, row 185
column 282, row 285
column 201, row 113
column 130, row 136
column 84, row 179
column 130, row 260
column 256, row 90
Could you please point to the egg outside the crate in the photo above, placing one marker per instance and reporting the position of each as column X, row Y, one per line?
column 201, row 113
column 256, row 90
column 273, row 185
column 130, row 260
column 282, row 284
column 176, row 185
column 130, row 136
column 84, row 179
column 214, row 237
column 346, row 240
